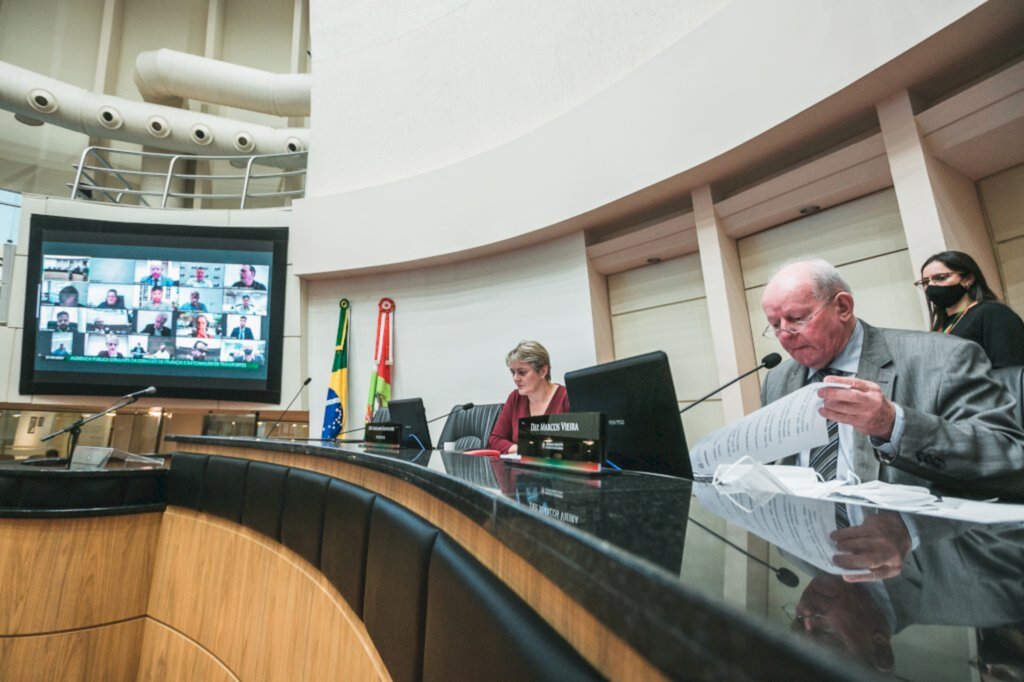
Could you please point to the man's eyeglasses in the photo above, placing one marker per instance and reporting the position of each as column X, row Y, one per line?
column 939, row 278
column 795, row 326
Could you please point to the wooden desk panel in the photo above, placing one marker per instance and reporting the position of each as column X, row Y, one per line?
column 168, row 655
column 107, row 653
column 71, row 573
column 254, row 604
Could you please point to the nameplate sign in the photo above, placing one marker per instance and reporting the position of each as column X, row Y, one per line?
column 383, row 433
column 573, row 441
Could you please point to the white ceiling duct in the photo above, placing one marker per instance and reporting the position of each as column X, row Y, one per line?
column 167, row 76
column 34, row 97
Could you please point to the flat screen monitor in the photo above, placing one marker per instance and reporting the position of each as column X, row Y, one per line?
column 110, row 307
column 645, row 431
column 411, row 415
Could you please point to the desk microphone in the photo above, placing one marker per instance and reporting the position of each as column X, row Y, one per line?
column 464, row 406
column 767, row 362
column 278, row 422
column 785, row 576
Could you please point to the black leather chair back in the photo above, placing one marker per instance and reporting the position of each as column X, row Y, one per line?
column 433, row 611
column 1013, row 379
column 470, row 429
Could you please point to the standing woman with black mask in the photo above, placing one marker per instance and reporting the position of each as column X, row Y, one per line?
column 962, row 304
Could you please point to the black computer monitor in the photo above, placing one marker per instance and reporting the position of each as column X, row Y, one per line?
column 645, row 432
column 411, row 415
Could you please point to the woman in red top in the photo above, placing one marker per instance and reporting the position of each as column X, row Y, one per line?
column 535, row 394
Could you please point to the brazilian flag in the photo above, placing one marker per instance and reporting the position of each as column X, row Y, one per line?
column 337, row 387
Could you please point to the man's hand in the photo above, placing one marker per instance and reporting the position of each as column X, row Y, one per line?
column 879, row 545
column 863, row 406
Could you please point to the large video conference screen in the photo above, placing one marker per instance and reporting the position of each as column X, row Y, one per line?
column 113, row 307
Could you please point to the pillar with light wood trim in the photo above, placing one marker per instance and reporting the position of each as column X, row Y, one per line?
column 746, row 582
column 939, row 206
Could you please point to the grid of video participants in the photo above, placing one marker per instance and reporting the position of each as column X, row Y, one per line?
column 153, row 310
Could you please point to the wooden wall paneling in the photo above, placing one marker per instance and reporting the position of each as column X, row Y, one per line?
column 63, row 574
column 682, row 331
column 166, row 654
column 108, row 653
column 1011, row 260
column 702, row 420
column 664, row 238
column 606, row 651
column 255, row 605
column 1002, row 195
column 670, row 281
column 859, row 229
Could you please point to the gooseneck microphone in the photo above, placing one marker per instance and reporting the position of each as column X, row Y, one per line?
column 75, row 429
column 767, row 362
column 464, row 406
column 138, row 394
column 278, row 422
column 784, row 575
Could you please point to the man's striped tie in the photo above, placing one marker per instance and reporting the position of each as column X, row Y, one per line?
column 825, row 458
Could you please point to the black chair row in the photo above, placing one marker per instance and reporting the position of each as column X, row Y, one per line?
column 433, row 611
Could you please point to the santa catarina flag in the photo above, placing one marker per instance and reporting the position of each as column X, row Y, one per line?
column 383, row 356
column 337, row 386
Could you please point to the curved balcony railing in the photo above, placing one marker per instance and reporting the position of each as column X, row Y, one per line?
column 123, row 176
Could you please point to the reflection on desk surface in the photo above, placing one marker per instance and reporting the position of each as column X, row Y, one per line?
column 644, row 514
column 924, row 571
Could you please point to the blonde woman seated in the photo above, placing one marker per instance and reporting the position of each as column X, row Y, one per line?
column 534, row 395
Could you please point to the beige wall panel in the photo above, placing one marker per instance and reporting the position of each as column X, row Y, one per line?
column 1011, row 261
column 108, row 653
column 704, row 555
column 58, row 38
column 1002, row 196
column 183, row 423
column 884, row 292
column 211, row 584
column 154, row 24
column 682, row 331
column 258, row 36
column 702, row 420
column 168, row 655
column 853, row 231
column 106, row 562
column 671, row 281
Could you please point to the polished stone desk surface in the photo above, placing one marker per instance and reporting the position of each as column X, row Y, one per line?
column 614, row 543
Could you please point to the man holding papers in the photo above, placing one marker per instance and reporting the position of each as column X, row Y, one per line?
column 911, row 407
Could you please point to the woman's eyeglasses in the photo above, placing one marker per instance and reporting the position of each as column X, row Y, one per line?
column 940, row 279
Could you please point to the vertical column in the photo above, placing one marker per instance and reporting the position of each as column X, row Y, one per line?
column 727, row 308
column 746, row 583
column 939, row 206
column 601, row 313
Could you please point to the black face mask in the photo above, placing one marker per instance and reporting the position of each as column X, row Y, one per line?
column 944, row 297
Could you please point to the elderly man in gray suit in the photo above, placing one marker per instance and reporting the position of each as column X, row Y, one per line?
column 906, row 407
